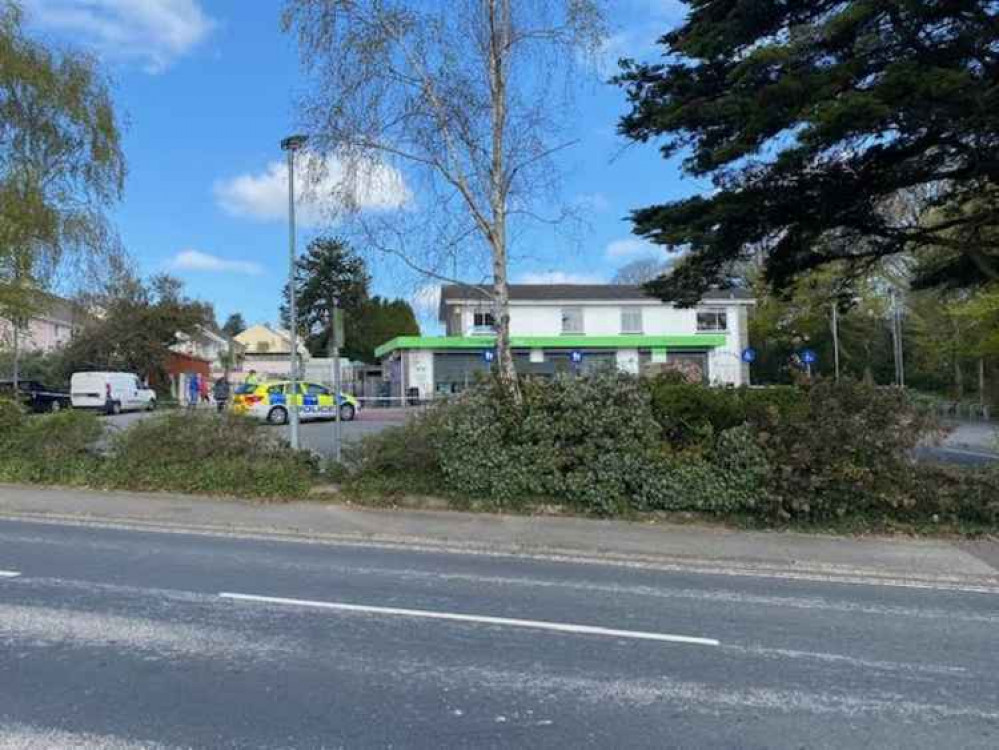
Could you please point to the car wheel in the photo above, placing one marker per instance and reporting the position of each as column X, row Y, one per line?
column 278, row 415
column 346, row 412
column 55, row 406
column 116, row 407
column 152, row 404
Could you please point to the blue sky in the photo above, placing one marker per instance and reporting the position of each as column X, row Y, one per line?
column 206, row 90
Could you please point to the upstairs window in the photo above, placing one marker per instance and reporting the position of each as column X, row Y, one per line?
column 572, row 320
column 631, row 320
column 483, row 319
column 712, row 321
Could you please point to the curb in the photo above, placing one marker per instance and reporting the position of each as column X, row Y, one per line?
column 722, row 567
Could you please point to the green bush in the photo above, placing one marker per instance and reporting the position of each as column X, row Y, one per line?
column 846, row 449
column 568, row 439
column 12, row 417
column 591, row 442
column 204, row 453
column 693, row 415
column 953, row 494
column 396, row 461
column 49, row 448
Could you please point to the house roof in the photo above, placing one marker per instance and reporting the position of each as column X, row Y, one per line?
column 58, row 310
column 571, row 292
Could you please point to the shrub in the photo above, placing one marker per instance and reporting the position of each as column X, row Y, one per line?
column 590, row 442
column 847, row 448
column 203, row 453
column 568, row 439
column 11, row 419
column 395, row 461
column 693, row 415
column 50, row 448
column 953, row 494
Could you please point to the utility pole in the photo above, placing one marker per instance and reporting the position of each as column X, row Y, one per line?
column 292, row 145
column 336, row 341
column 896, row 330
column 835, row 337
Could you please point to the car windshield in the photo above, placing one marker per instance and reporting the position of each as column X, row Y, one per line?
column 245, row 388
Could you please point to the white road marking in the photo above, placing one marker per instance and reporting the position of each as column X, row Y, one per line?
column 559, row 627
column 9, row 574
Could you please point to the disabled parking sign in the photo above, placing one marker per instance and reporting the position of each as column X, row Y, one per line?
column 489, row 356
column 576, row 357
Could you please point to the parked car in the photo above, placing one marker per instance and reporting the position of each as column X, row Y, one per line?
column 36, row 396
column 270, row 401
column 110, row 392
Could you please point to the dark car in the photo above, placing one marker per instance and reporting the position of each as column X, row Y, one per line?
column 35, row 396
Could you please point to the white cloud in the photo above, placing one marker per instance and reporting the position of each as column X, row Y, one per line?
column 153, row 33
column 559, row 277
column 264, row 196
column 629, row 248
column 195, row 260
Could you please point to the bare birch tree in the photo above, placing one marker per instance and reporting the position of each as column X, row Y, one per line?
column 465, row 99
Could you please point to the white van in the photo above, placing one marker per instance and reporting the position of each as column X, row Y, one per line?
column 111, row 392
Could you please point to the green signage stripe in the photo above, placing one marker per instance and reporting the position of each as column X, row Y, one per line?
column 480, row 343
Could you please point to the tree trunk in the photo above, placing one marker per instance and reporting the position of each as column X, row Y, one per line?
column 499, row 23
column 17, row 357
column 958, row 378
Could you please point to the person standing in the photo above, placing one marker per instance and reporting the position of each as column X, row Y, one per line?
column 203, row 389
column 221, row 393
column 252, row 379
column 193, row 390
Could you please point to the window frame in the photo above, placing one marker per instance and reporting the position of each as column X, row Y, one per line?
column 485, row 315
column 640, row 329
column 564, row 316
column 720, row 318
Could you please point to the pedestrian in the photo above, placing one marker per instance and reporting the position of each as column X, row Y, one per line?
column 221, row 393
column 251, row 379
column 193, row 390
column 203, row 390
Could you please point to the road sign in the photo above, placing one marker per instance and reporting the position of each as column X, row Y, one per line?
column 749, row 354
column 809, row 357
column 489, row 356
column 575, row 357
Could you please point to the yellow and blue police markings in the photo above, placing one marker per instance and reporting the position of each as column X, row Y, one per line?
column 270, row 401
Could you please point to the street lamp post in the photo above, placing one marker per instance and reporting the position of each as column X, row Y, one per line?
column 291, row 146
column 835, row 336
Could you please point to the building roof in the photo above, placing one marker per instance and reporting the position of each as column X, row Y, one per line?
column 571, row 292
column 482, row 343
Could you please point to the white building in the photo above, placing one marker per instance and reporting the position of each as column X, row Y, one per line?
column 216, row 349
column 568, row 327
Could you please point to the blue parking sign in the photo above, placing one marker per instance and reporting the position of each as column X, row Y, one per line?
column 489, row 355
column 809, row 357
column 749, row 354
column 576, row 357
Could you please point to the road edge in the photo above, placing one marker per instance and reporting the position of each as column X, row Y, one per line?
column 716, row 566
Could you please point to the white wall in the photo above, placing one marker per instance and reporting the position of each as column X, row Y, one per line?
column 419, row 366
column 604, row 319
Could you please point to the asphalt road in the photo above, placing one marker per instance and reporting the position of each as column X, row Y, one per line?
column 122, row 639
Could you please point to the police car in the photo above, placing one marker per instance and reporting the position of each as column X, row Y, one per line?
column 270, row 402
